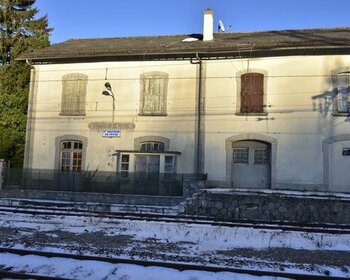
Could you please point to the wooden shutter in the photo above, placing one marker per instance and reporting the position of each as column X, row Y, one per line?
column 252, row 93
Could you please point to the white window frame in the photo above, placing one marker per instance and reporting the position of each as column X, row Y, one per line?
column 343, row 96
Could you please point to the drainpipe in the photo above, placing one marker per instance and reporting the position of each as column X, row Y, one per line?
column 28, row 149
column 198, row 135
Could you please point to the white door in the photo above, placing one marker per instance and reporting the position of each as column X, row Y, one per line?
column 339, row 166
column 251, row 167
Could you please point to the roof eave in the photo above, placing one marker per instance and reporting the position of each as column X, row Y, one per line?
column 213, row 54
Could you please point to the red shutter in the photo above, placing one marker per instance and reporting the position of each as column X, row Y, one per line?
column 252, row 93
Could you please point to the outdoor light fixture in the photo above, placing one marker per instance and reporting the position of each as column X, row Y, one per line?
column 108, row 86
column 109, row 92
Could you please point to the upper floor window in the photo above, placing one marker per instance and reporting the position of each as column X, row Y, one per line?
column 343, row 96
column 252, row 93
column 73, row 94
column 153, row 97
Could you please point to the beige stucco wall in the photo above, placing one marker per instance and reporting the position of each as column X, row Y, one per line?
column 124, row 78
column 298, row 107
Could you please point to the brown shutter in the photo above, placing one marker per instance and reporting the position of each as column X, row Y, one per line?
column 252, row 93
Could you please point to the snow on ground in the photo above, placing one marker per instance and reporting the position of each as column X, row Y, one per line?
column 75, row 269
column 179, row 242
column 205, row 236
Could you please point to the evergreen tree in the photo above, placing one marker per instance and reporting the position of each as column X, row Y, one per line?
column 20, row 31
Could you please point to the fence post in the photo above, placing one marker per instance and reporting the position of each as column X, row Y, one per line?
column 1, row 172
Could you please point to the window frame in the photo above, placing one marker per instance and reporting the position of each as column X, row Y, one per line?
column 71, row 156
column 239, row 89
column 343, row 90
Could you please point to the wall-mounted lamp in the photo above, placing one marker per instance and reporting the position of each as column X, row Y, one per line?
column 109, row 92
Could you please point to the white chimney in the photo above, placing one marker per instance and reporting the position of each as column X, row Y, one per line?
column 208, row 25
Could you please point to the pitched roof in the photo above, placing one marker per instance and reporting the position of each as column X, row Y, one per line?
column 252, row 42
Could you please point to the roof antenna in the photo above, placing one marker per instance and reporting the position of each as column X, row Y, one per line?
column 222, row 28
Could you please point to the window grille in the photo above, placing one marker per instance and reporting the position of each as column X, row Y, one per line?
column 241, row 155
column 261, row 156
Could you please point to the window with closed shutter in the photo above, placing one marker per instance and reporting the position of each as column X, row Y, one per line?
column 73, row 94
column 154, row 93
column 252, row 93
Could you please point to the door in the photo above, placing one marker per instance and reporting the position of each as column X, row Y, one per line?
column 339, row 163
column 251, row 166
column 71, row 156
column 147, row 173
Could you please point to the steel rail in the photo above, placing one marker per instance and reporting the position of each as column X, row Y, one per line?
column 316, row 228
column 20, row 275
column 177, row 266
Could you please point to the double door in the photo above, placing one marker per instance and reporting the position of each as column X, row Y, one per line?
column 147, row 173
column 251, row 167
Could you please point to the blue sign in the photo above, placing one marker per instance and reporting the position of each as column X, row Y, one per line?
column 111, row 133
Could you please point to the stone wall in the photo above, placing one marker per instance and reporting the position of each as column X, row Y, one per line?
column 296, row 207
column 93, row 197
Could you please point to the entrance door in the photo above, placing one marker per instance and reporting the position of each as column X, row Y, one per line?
column 251, row 166
column 147, row 173
column 339, row 162
column 71, row 156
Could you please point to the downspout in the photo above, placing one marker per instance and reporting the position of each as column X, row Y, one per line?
column 198, row 135
column 28, row 149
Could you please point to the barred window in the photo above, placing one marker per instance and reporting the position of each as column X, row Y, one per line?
column 261, row 156
column 241, row 155
column 154, row 86
column 73, row 94
column 252, row 93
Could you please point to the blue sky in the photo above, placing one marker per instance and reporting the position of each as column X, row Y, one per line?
column 115, row 18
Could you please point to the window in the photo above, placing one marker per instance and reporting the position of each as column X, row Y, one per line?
column 261, row 156
column 252, row 93
column 154, row 86
column 71, row 156
column 169, row 164
column 343, row 97
column 73, row 94
column 124, row 167
column 241, row 155
column 152, row 146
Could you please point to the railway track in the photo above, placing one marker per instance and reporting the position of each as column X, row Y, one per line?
column 146, row 263
column 317, row 228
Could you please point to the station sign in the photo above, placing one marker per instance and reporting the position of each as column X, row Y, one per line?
column 111, row 133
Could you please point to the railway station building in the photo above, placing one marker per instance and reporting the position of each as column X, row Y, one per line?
column 253, row 110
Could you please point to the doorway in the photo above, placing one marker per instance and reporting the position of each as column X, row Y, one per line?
column 251, row 164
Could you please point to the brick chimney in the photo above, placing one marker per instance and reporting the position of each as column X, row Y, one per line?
column 208, row 25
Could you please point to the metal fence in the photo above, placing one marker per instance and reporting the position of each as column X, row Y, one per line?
column 91, row 181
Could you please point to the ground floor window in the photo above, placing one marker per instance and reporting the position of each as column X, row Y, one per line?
column 124, row 166
column 71, row 156
column 146, row 163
